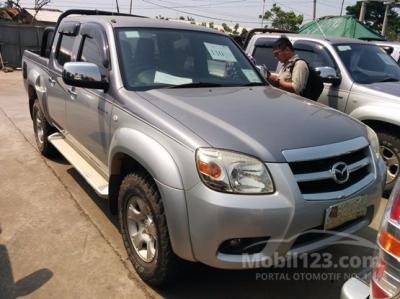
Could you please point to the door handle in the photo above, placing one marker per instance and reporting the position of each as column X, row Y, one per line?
column 52, row 82
column 72, row 93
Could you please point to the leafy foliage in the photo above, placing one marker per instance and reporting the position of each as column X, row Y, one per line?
column 226, row 27
column 374, row 16
column 283, row 20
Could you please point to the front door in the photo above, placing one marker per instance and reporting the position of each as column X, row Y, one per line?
column 89, row 110
column 318, row 56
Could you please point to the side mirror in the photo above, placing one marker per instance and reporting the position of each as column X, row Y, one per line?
column 262, row 69
column 329, row 75
column 84, row 74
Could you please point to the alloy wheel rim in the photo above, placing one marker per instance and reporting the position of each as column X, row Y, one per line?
column 39, row 129
column 141, row 228
column 392, row 161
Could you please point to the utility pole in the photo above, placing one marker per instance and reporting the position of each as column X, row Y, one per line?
column 341, row 9
column 363, row 10
column 262, row 16
column 117, row 6
column 385, row 20
column 130, row 8
column 315, row 9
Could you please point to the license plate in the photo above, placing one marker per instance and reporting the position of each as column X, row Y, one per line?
column 343, row 212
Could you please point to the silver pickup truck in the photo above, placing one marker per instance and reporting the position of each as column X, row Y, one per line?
column 200, row 158
column 360, row 80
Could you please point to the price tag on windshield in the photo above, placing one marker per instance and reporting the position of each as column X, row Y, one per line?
column 344, row 48
column 251, row 75
column 164, row 78
column 132, row 34
column 220, row 52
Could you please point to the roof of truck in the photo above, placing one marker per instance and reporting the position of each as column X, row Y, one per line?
column 330, row 39
column 128, row 21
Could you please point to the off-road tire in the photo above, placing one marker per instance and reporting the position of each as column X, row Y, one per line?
column 43, row 144
column 391, row 142
column 163, row 267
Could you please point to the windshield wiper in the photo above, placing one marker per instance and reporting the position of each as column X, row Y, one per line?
column 389, row 79
column 196, row 84
column 254, row 84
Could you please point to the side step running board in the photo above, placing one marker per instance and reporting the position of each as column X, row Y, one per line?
column 94, row 179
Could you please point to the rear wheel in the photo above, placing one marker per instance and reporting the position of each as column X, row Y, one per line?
column 42, row 130
column 390, row 152
column 144, row 230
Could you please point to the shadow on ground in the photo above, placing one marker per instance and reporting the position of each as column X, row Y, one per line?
column 9, row 289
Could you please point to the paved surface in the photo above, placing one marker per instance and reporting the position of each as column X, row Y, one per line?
column 58, row 239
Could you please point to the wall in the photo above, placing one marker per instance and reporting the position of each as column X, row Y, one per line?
column 14, row 39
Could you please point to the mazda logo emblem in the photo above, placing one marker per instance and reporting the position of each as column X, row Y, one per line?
column 340, row 172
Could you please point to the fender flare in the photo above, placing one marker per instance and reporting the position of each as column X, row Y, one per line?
column 149, row 153
column 37, row 82
column 387, row 114
column 161, row 166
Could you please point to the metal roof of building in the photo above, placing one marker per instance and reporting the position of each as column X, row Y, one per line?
column 45, row 15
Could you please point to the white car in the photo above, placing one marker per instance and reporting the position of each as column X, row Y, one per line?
column 392, row 48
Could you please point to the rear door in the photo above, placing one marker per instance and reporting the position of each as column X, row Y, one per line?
column 89, row 110
column 57, row 91
column 317, row 55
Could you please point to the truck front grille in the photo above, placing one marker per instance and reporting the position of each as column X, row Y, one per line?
column 332, row 171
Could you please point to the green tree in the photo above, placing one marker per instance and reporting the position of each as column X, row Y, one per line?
column 283, row 20
column 226, row 27
column 374, row 16
column 235, row 28
column 211, row 24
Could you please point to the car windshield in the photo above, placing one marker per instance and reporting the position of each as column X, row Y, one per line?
column 368, row 63
column 165, row 58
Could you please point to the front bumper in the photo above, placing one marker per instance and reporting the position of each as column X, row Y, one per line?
column 216, row 217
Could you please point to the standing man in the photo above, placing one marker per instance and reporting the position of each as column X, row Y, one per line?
column 293, row 75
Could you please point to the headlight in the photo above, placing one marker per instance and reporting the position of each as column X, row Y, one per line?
column 374, row 141
column 232, row 172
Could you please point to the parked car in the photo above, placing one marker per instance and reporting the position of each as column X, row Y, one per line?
column 392, row 48
column 384, row 281
column 360, row 80
column 200, row 158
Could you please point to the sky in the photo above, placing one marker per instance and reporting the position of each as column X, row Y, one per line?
column 244, row 12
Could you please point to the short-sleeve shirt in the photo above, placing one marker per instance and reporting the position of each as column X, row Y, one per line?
column 298, row 77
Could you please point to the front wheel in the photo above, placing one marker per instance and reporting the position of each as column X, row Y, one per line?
column 390, row 152
column 144, row 230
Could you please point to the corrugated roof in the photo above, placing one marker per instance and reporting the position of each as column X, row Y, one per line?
column 45, row 15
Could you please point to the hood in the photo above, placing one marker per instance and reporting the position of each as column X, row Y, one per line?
column 260, row 121
column 392, row 88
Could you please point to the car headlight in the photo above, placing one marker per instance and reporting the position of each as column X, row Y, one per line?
column 232, row 172
column 374, row 141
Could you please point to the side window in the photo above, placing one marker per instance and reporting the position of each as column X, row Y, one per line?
column 314, row 53
column 91, row 53
column 263, row 53
column 65, row 49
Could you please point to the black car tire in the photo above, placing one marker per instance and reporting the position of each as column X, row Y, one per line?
column 141, row 188
column 390, row 151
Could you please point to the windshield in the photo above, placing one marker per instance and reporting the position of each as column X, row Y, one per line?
column 160, row 58
column 368, row 63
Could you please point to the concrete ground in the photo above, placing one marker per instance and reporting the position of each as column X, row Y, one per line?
column 59, row 240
